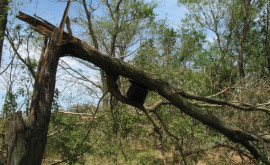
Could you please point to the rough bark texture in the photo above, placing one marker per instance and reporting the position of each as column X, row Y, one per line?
column 27, row 137
column 3, row 23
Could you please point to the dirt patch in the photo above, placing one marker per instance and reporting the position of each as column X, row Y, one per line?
column 223, row 156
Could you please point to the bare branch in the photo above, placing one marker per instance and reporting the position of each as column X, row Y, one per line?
column 80, row 74
column 93, row 118
column 8, row 65
column 157, row 105
column 68, row 26
column 56, row 132
column 90, row 24
column 27, row 64
column 62, row 24
column 238, row 105
column 77, row 114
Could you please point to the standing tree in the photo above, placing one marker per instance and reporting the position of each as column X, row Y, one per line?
column 3, row 24
column 232, row 23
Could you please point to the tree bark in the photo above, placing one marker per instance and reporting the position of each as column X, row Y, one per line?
column 241, row 63
column 267, row 40
column 27, row 137
column 3, row 24
column 245, row 8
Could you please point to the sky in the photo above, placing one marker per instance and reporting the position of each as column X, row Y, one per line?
column 52, row 11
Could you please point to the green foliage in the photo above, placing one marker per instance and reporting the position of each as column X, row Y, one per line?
column 140, row 9
column 3, row 140
column 66, row 138
column 55, row 104
column 226, row 19
column 10, row 104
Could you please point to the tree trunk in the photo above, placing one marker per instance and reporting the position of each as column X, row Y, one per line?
column 104, row 89
column 3, row 23
column 95, row 42
column 27, row 137
column 245, row 8
column 241, row 63
column 267, row 48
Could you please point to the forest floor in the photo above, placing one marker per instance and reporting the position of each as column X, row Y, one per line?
column 140, row 156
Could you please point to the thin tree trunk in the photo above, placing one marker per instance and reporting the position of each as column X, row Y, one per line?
column 3, row 24
column 241, row 63
column 104, row 89
column 95, row 43
column 267, row 49
column 245, row 8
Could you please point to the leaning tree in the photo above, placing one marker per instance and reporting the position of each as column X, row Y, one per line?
column 27, row 136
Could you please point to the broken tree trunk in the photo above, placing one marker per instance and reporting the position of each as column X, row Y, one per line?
column 72, row 46
column 27, row 137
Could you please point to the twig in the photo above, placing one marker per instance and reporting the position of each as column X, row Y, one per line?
column 93, row 117
column 172, row 135
column 30, row 68
column 157, row 105
column 51, row 134
column 73, row 113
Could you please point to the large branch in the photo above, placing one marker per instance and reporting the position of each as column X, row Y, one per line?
column 152, row 82
column 43, row 27
column 114, row 67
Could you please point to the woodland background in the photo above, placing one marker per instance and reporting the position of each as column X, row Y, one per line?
column 89, row 126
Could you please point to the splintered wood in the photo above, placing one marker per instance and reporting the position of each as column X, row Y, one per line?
column 44, row 27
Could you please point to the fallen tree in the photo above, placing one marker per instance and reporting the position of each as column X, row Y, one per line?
column 27, row 137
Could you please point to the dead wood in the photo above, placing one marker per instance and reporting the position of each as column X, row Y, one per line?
column 72, row 46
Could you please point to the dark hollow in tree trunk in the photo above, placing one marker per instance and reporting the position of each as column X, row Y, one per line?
column 137, row 92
